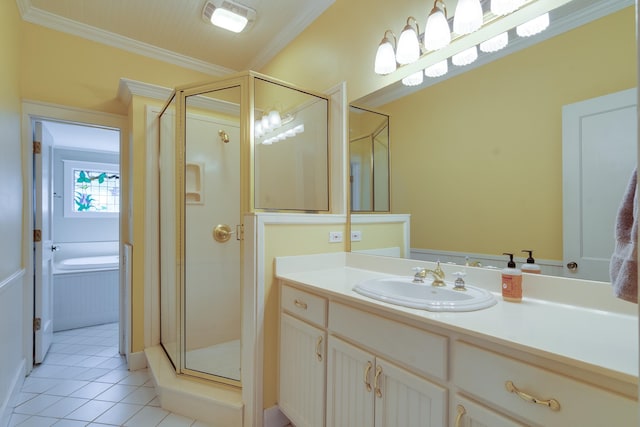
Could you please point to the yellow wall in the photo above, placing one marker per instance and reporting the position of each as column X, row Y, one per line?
column 477, row 159
column 341, row 45
column 285, row 240
column 376, row 236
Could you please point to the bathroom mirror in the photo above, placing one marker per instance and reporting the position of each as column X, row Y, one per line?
column 477, row 155
column 368, row 160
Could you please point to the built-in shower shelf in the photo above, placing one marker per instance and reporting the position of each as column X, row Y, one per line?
column 194, row 183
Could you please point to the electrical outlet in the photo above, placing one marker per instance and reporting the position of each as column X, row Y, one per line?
column 356, row 236
column 335, row 236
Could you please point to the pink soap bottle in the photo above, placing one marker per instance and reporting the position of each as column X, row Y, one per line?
column 511, row 281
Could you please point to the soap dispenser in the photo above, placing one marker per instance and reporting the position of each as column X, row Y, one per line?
column 530, row 266
column 511, row 281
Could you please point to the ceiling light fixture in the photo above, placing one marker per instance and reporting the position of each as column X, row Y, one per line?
column 414, row 79
column 437, row 33
column 385, row 56
column 468, row 16
column 465, row 57
column 228, row 14
column 408, row 49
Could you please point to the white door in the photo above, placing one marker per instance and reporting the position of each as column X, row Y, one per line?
column 43, row 243
column 599, row 138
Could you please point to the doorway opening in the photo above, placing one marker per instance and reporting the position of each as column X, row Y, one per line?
column 76, row 212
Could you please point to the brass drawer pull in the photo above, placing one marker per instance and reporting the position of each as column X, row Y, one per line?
column 461, row 412
column 300, row 304
column 319, row 349
column 552, row 404
column 376, row 381
column 367, row 369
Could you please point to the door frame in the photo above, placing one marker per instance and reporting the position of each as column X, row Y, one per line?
column 35, row 110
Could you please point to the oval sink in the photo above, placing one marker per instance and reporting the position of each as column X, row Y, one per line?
column 401, row 290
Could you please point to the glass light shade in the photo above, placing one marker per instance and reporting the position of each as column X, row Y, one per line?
column 258, row 129
column 228, row 20
column 504, row 7
column 385, row 58
column 465, row 57
column 533, row 27
column 408, row 50
column 289, row 133
column 438, row 69
column 437, row 33
column 496, row 43
column 299, row 129
column 274, row 119
column 413, row 79
column 468, row 16
column 265, row 124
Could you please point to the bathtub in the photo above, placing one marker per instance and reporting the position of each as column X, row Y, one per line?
column 102, row 262
column 85, row 291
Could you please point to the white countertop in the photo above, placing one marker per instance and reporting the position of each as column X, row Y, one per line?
column 602, row 340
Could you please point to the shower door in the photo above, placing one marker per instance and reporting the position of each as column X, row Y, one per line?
column 212, row 233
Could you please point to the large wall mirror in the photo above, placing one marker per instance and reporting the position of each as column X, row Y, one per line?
column 368, row 160
column 477, row 155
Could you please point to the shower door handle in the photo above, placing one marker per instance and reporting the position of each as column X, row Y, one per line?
column 222, row 233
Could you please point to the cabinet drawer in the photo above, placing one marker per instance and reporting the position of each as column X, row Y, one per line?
column 484, row 374
column 304, row 305
column 423, row 351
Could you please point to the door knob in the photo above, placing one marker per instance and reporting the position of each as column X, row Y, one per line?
column 572, row 266
column 222, row 233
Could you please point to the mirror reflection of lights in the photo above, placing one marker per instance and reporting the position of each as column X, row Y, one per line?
column 289, row 133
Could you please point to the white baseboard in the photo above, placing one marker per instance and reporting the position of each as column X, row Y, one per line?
column 6, row 409
column 273, row 417
column 136, row 361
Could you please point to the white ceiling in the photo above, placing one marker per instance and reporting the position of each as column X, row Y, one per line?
column 174, row 30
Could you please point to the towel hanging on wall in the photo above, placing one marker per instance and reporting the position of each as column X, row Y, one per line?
column 623, row 267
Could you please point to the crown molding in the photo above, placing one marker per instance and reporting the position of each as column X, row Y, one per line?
column 574, row 15
column 128, row 88
column 46, row 19
column 289, row 33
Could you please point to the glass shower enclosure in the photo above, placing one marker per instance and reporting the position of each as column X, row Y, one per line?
column 227, row 149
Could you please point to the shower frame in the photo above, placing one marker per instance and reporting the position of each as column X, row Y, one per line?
column 251, row 298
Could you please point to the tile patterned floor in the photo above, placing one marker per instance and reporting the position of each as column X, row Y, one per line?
column 85, row 382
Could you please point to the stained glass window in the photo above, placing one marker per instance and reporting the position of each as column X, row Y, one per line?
column 94, row 189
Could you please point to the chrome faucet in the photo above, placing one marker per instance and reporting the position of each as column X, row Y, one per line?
column 437, row 274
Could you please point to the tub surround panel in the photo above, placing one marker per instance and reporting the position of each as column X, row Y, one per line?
column 572, row 322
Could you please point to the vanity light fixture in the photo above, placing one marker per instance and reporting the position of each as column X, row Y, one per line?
column 385, row 56
column 496, row 43
column 533, row 27
column 437, row 33
column 468, row 16
column 438, row 69
column 408, row 49
column 505, row 7
column 228, row 14
column 465, row 57
column 414, row 79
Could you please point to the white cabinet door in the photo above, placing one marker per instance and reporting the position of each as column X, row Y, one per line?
column 406, row 400
column 350, row 374
column 302, row 372
column 470, row 414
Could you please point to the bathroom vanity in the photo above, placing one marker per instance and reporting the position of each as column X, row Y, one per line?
column 567, row 355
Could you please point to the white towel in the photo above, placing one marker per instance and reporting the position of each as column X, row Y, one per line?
column 623, row 267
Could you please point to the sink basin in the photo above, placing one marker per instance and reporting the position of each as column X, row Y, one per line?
column 400, row 290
